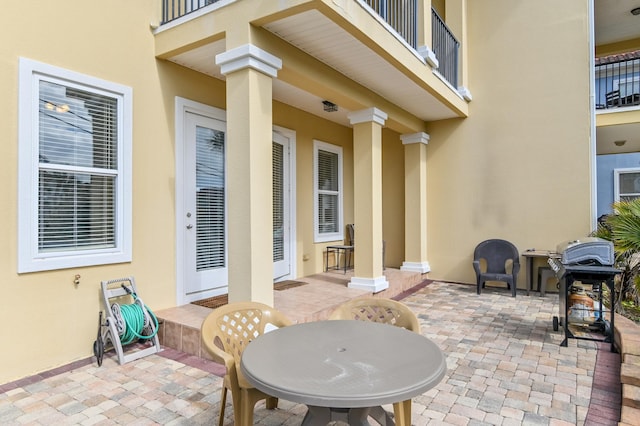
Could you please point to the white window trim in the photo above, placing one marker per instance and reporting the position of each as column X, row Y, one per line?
column 335, row 236
column 616, row 180
column 29, row 258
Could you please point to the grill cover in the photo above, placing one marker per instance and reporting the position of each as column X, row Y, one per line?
column 586, row 251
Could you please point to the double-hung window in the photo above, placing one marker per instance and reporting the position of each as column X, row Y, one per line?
column 327, row 178
column 74, row 169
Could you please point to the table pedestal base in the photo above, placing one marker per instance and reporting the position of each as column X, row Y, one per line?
column 320, row 416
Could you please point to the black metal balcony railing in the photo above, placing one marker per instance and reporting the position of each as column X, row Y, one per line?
column 445, row 47
column 174, row 9
column 401, row 15
column 618, row 80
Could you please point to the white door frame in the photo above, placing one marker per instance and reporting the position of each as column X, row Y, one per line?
column 291, row 136
column 182, row 107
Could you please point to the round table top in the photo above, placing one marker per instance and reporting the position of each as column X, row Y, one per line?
column 343, row 363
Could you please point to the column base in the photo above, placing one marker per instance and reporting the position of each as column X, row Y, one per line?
column 374, row 285
column 422, row 267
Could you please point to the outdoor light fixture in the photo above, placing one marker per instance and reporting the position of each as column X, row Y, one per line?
column 620, row 143
column 329, row 106
column 635, row 11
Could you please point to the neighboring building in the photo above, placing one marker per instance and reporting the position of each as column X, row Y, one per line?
column 617, row 94
column 222, row 149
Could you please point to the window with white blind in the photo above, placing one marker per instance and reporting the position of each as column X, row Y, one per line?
column 74, row 169
column 327, row 181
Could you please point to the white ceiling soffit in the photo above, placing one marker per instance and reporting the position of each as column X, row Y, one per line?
column 318, row 36
column 326, row 41
column 614, row 21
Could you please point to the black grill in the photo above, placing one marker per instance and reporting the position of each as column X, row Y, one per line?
column 588, row 262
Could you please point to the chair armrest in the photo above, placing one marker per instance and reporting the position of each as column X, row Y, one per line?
column 476, row 267
column 218, row 355
column 516, row 268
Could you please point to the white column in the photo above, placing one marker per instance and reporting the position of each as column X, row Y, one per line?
column 367, row 182
column 415, row 202
column 249, row 71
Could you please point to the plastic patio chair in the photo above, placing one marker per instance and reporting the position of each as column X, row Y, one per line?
column 386, row 311
column 490, row 261
column 377, row 309
column 225, row 333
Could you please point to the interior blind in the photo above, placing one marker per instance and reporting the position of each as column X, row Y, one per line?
column 278, row 202
column 327, row 191
column 210, row 201
column 77, row 150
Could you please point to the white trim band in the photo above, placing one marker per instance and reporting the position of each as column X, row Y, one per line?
column 374, row 285
column 429, row 56
column 422, row 267
column 465, row 93
column 412, row 138
column 368, row 115
column 248, row 56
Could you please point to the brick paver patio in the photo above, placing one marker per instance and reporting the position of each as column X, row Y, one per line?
column 505, row 367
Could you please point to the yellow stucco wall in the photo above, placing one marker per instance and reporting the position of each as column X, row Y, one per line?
column 519, row 167
column 503, row 172
column 50, row 320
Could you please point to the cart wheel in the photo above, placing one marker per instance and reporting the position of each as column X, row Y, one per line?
column 555, row 323
column 98, row 350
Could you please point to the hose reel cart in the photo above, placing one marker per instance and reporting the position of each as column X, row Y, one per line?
column 128, row 320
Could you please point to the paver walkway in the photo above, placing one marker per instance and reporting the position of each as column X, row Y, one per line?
column 505, row 367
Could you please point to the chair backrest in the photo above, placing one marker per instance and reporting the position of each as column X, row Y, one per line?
column 375, row 309
column 613, row 98
column 496, row 253
column 352, row 234
column 228, row 330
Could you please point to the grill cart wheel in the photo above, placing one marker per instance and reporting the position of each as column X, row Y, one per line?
column 555, row 323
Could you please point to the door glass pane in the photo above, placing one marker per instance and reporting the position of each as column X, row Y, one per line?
column 278, row 203
column 210, row 203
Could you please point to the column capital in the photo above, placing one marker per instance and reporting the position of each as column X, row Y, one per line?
column 420, row 137
column 368, row 115
column 248, row 56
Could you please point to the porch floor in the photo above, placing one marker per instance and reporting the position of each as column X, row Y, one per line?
column 180, row 326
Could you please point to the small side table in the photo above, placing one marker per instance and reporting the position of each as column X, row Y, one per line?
column 346, row 251
column 529, row 256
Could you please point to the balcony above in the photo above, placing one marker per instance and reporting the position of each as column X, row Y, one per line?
column 618, row 81
column 341, row 51
column 617, row 89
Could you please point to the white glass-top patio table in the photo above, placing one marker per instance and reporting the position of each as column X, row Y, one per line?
column 341, row 368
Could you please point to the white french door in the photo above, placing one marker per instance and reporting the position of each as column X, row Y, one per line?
column 205, row 225
column 281, row 207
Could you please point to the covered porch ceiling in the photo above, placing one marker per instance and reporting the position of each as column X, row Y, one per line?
column 349, row 53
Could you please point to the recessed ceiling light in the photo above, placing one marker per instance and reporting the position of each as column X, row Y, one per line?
column 635, row 11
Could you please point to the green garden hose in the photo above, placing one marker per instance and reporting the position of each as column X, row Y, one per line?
column 132, row 321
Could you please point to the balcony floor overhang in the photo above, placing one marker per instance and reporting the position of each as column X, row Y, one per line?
column 347, row 57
